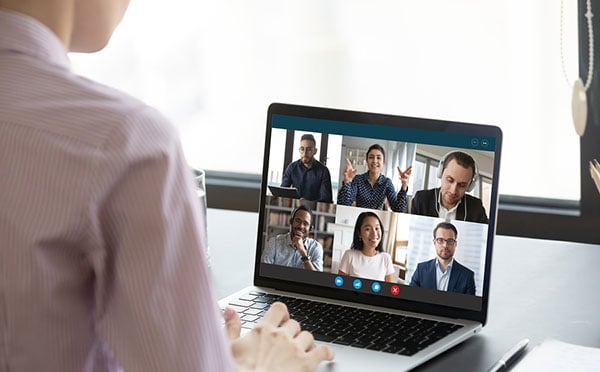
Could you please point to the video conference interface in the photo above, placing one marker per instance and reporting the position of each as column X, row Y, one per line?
column 395, row 212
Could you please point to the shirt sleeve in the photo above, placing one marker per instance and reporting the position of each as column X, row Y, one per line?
column 286, row 180
column 345, row 262
column 389, row 265
column 471, row 284
column 326, row 193
column 414, row 204
column 347, row 193
column 268, row 255
column 482, row 218
column 316, row 256
column 415, row 280
column 154, row 308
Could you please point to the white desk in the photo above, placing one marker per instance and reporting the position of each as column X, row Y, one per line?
column 540, row 289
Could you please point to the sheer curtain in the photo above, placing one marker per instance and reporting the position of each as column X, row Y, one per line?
column 401, row 154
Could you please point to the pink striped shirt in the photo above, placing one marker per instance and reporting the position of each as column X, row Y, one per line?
column 101, row 255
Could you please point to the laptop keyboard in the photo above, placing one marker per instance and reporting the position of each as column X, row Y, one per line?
column 390, row 333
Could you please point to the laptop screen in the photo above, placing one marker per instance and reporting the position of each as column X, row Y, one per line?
column 392, row 211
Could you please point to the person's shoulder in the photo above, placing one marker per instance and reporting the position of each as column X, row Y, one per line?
column 294, row 164
column 68, row 105
column 385, row 180
column 279, row 237
column 424, row 264
column 315, row 243
column 362, row 176
column 463, row 267
column 420, row 267
column 386, row 257
column 473, row 199
column 350, row 252
column 424, row 193
column 320, row 166
column 109, row 118
column 345, row 255
column 125, row 113
column 277, row 241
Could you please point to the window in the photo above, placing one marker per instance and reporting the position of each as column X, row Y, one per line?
column 213, row 68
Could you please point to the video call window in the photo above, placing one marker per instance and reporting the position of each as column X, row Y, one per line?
column 407, row 247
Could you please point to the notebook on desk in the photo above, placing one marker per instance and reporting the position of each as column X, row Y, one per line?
column 397, row 320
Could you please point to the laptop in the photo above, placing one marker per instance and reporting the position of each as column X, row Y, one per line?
column 392, row 321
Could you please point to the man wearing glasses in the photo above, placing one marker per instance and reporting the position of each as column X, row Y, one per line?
column 307, row 174
column 444, row 273
column 295, row 248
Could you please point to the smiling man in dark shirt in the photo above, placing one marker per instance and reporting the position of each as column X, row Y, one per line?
column 307, row 174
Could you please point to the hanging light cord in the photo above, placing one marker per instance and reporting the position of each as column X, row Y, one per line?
column 588, row 16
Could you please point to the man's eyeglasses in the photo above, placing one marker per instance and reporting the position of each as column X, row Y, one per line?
column 449, row 242
column 306, row 149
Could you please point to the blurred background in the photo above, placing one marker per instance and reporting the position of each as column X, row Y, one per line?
column 213, row 67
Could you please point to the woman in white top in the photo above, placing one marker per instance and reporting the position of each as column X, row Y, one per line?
column 366, row 258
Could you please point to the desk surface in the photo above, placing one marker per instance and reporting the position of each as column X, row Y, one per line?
column 540, row 289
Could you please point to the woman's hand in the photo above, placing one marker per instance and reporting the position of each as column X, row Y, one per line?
column 350, row 172
column 275, row 344
column 404, row 176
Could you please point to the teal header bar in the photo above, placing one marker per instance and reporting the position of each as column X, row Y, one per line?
column 385, row 132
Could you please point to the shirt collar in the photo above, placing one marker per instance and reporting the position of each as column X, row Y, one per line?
column 301, row 164
column 448, row 268
column 380, row 179
column 20, row 33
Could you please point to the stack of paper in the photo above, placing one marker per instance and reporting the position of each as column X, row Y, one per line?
column 595, row 171
column 557, row 356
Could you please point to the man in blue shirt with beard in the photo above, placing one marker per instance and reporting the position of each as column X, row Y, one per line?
column 307, row 174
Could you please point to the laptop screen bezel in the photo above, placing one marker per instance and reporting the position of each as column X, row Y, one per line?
column 435, row 125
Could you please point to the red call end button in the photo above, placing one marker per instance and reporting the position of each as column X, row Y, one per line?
column 395, row 290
